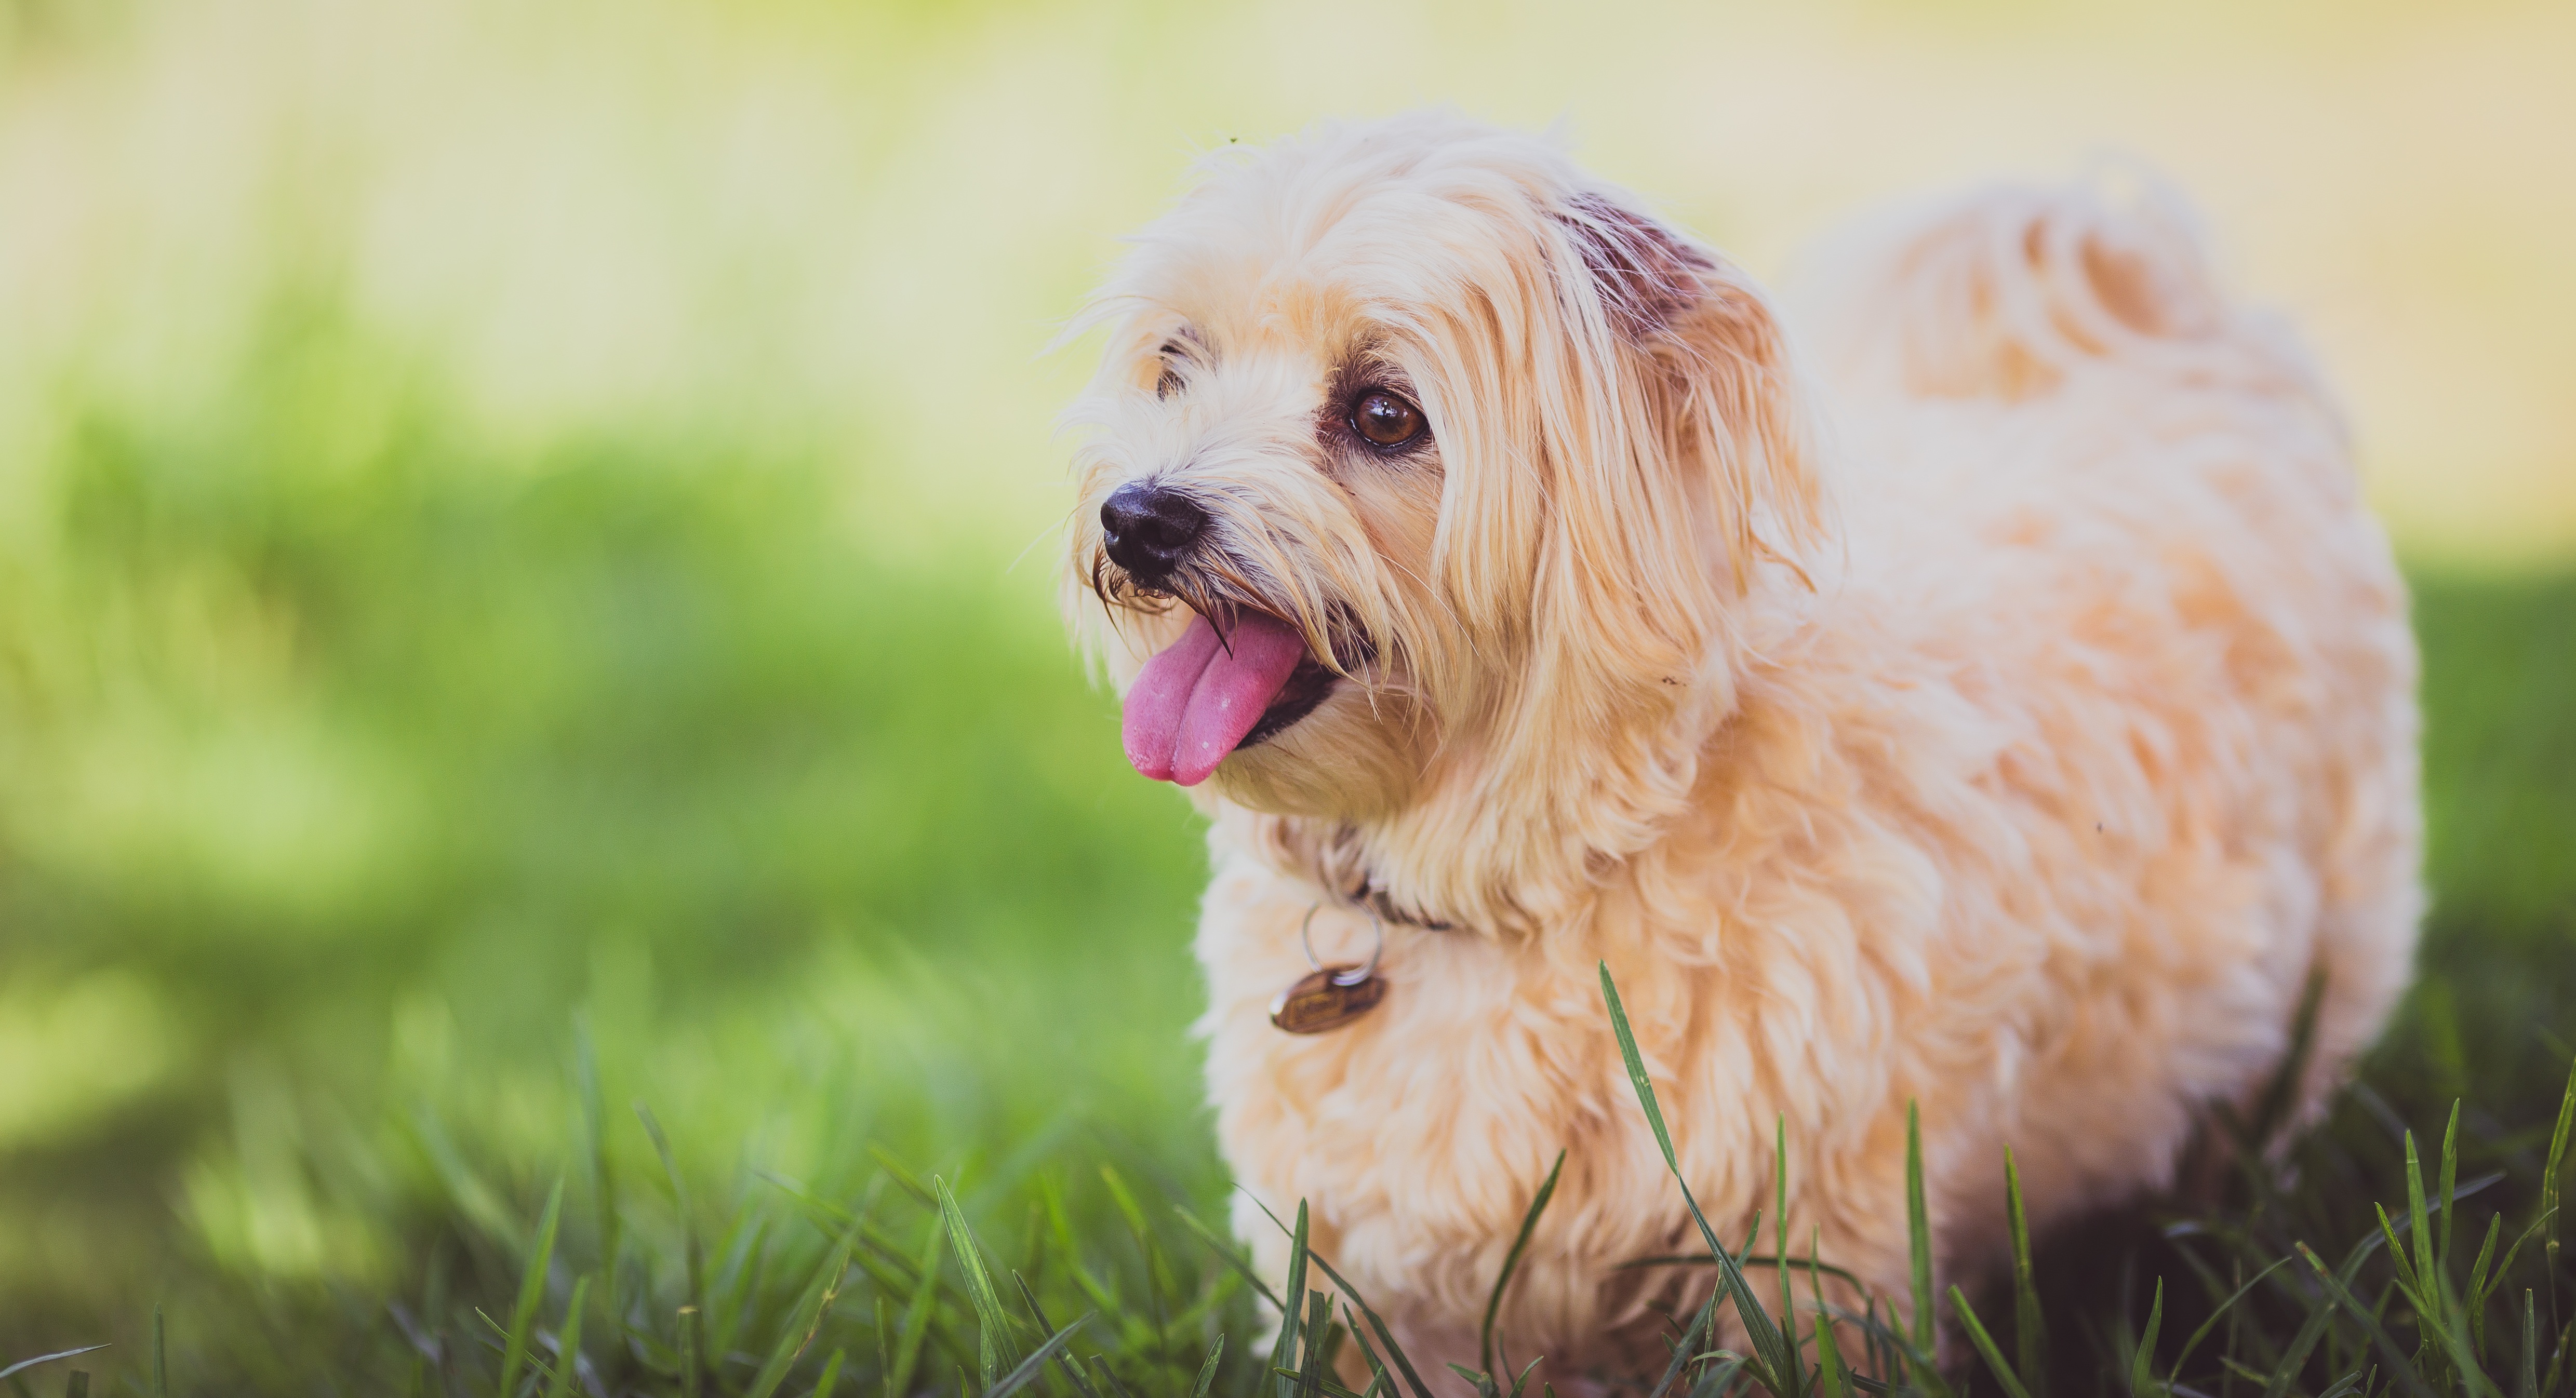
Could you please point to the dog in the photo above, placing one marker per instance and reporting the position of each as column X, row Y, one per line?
column 1985, row 693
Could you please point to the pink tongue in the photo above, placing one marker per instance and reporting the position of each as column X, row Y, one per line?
column 1198, row 698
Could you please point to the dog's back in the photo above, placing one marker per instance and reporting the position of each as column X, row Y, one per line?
column 2069, row 457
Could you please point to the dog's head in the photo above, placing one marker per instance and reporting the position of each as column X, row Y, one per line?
column 1423, row 482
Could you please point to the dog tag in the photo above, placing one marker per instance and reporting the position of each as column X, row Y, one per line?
column 1327, row 1000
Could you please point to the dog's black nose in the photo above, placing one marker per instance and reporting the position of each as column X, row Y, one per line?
column 1149, row 529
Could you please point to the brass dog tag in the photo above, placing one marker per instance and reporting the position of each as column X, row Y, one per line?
column 1327, row 999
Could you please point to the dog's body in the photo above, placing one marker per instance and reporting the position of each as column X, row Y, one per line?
column 2020, row 752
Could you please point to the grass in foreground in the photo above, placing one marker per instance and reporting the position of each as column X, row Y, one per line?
column 884, row 1285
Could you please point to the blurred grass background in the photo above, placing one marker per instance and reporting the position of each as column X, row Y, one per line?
column 522, row 514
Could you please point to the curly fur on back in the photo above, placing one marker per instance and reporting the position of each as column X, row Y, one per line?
column 1989, row 693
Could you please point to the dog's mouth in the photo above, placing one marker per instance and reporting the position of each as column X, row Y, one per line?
column 1212, row 692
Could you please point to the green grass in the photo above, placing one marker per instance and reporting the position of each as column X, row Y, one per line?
column 459, row 898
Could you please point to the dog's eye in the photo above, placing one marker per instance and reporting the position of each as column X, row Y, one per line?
column 1385, row 419
column 1170, row 382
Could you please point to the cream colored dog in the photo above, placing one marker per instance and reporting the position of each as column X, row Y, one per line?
column 2008, row 713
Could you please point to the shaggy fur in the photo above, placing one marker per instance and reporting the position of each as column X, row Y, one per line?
column 1993, row 696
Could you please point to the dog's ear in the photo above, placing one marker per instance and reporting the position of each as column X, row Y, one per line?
column 1677, row 472
column 1669, row 332
column 1679, row 459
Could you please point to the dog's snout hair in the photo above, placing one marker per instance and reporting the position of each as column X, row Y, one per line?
column 2018, row 757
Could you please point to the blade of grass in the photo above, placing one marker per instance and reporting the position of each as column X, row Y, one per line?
column 1985, row 1345
column 2464, row 1365
column 1378, row 1376
column 2527, row 1383
column 692, row 1366
column 992, row 1325
column 2142, row 1367
column 1028, row 1369
column 1882, row 1361
column 1125, row 1201
column 1207, row 1371
column 1775, row 1363
column 1318, row 1329
column 820, row 1291
column 1283, row 1351
column 2407, row 1279
column 1064, row 1361
column 2338, row 1288
column 1917, row 1351
column 1918, row 1228
column 1377, row 1323
column 2504, row 1268
column 1512, row 1261
column 567, row 1382
column 532, row 1290
column 2431, row 1293
column 2173, row 1376
column 2295, row 1357
column 2425, row 1291
column 1794, row 1380
column 161, row 1350
column 2479, row 1285
column 916, row 1317
column 1689, row 1346
column 2450, row 1189
column 831, row 1376
column 1830, row 1380
column 2030, row 1339
column 2549, row 1172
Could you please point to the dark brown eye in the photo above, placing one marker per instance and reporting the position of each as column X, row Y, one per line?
column 1385, row 419
column 1169, row 382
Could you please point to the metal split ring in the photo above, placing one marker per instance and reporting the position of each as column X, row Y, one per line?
column 1305, row 940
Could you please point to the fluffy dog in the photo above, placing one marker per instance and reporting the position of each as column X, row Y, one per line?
column 2008, row 709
